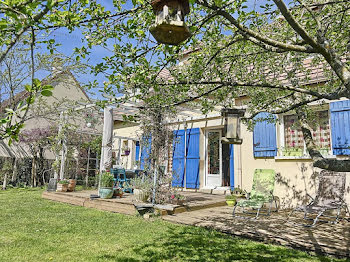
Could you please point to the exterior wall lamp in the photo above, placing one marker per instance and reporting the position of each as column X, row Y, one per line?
column 232, row 129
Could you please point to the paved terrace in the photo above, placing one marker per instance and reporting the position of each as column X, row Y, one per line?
column 323, row 239
column 207, row 210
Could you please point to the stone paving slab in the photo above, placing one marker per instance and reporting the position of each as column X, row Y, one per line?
column 325, row 239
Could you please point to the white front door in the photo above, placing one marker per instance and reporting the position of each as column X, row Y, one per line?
column 213, row 158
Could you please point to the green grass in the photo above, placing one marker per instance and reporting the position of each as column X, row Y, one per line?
column 34, row 229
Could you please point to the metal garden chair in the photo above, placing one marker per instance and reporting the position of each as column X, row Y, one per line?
column 120, row 179
column 261, row 194
column 329, row 197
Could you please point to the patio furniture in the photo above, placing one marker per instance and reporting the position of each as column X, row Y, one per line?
column 120, row 179
column 261, row 194
column 329, row 197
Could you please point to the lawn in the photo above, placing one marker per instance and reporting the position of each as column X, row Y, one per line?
column 34, row 229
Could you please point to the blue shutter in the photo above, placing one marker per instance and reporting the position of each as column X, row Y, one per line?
column 137, row 151
column 232, row 166
column 340, row 124
column 264, row 137
column 192, row 159
column 178, row 158
column 145, row 152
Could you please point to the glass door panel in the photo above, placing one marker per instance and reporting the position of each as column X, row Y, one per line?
column 213, row 158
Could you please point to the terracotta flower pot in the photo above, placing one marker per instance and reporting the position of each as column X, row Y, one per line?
column 71, row 185
column 118, row 192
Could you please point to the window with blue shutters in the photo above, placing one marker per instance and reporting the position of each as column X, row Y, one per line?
column 178, row 158
column 186, row 158
column 192, row 158
column 264, row 137
column 340, row 127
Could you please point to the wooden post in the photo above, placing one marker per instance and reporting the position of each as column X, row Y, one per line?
column 87, row 168
column 119, row 151
column 107, row 140
column 33, row 180
column 63, row 151
column 14, row 171
column 77, row 166
column 55, row 176
column 154, row 184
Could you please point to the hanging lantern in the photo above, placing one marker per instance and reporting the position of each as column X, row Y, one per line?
column 169, row 27
column 232, row 129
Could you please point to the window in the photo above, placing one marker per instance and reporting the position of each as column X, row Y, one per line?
column 293, row 137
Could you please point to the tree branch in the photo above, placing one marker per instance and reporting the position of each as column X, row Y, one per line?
column 319, row 160
column 295, row 25
column 254, row 36
column 322, row 45
column 285, row 110
column 329, row 96
column 311, row 12
column 17, row 36
column 98, row 18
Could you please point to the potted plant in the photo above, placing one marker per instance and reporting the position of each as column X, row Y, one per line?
column 292, row 151
column 118, row 192
column 106, row 185
column 141, row 187
column 236, row 194
column 177, row 199
column 237, row 191
column 231, row 200
column 62, row 185
column 126, row 151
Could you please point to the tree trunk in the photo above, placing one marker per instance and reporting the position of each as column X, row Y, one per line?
column 76, row 168
column 4, row 184
column 41, row 166
column 33, row 180
column 318, row 160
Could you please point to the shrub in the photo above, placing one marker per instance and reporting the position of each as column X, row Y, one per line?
column 63, row 182
column 107, row 180
column 230, row 197
column 144, row 183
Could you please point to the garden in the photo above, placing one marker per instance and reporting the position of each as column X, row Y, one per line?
column 34, row 229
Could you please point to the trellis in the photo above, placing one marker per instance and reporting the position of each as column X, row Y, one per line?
column 63, row 153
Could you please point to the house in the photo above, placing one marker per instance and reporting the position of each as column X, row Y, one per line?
column 45, row 111
column 199, row 161
column 43, row 114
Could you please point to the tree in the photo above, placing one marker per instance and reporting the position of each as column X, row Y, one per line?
column 265, row 52
column 6, row 171
column 31, row 21
column 38, row 140
column 236, row 47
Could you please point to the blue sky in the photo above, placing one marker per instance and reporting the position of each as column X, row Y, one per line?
column 70, row 40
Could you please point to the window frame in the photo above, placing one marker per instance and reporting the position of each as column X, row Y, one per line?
column 280, row 129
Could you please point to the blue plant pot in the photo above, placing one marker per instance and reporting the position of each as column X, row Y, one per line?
column 105, row 192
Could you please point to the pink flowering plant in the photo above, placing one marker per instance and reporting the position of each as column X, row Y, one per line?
column 177, row 196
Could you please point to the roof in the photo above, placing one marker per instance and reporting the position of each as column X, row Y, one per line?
column 25, row 94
